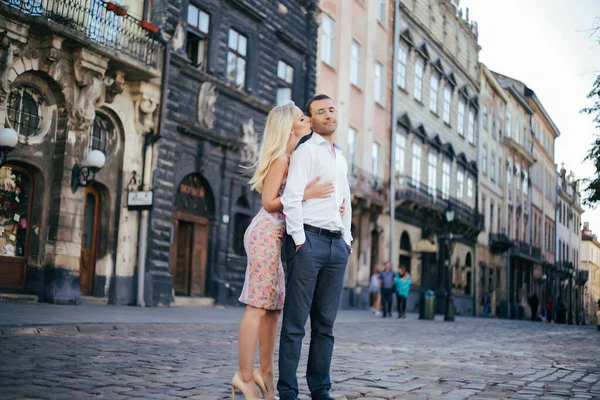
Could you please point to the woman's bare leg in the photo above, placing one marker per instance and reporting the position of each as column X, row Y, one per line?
column 266, row 346
column 248, row 334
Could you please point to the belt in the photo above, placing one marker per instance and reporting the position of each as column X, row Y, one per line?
column 323, row 231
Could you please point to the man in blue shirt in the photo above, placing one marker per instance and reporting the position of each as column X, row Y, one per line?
column 387, row 289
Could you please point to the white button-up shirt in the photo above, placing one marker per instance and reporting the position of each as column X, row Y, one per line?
column 316, row 158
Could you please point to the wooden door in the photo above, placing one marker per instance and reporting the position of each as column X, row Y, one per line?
column 89, row 241
column 189, row 255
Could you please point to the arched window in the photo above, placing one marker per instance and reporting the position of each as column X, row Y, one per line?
column 405, row 251
column 101, row 133
column 24, row 110
column 241, row 221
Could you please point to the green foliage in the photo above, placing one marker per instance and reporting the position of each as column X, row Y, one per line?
column 592, row 186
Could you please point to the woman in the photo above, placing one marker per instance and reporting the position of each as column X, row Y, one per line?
column 375, row 292
column 402, row 283
column 264, row 286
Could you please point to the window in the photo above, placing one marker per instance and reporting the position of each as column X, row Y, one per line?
column 484, row 160
column 508, row 125
column 355, row 62
column 15, row 191
column 328, row 37
column 419, row 69
column 460, row 184
column 242, row 221
column 236, row 59
column 433, row 92
column 375, row 152
column 432, row 175
column 470, row 183
column 416, row 165
column 525, row 182
column 378, row 83
column 460, row 123
column 24, row 111
column 500, row 170
column 517, row 131
column 197, row 36
column 101, row 132
column 447, row 103
column 485, row 117
column 285, row 82
column 351, row 148
column 381, row 11
column 493, row 167
column 509, row 171
column 471, row 128
column 446, row 180
column 401, row 65
column 400, row 151
column 518, row 176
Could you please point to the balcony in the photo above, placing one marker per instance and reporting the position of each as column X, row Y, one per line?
column 564, row 269
column 101, row 22
column 425, row 203
column 582, row 277
column 527, row 251
column 499, row 242
column 365, row 185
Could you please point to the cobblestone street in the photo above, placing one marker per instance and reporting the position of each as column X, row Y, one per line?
column 191, row 354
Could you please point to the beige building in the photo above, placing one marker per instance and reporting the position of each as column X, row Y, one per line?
column 590, row 266
column 435, row 149
column 80, row 89
column 354, row 68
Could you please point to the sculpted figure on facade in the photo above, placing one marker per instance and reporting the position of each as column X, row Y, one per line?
column 90, row 97
column 250, row 150
column 207, row 97
column 6, row 60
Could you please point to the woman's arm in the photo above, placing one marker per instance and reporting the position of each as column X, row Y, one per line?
column 271, row 201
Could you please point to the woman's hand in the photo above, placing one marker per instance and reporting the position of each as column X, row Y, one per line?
column 316, row 190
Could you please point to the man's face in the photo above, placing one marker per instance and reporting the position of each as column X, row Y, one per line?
column 387, row 266
column 324, row 117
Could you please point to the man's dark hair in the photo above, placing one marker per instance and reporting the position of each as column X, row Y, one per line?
column 315, row 98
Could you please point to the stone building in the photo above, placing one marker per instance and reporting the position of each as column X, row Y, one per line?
column 590, row 266
column 231, row 62
column 436, row 149
column 570, row 277
column 76, row 80
column 361, row 87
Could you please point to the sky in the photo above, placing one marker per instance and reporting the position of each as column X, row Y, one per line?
column 547, row 45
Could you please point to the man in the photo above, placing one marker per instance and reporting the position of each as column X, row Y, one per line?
column 387, row 289
column 317, row 248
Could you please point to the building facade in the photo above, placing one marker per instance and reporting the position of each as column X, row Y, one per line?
column 75, row 81
column 435, row 148
column 360, row 86
column 590, row 263
column 231, row 62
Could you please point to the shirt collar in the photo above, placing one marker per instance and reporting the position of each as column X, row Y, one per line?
column 320, row 140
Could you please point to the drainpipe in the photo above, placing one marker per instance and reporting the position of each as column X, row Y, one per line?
column 393, row 131
column 147, row 171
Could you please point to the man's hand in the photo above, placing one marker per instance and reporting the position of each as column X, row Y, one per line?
column 298, row 247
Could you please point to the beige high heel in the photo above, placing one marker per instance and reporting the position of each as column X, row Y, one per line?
column 258, row 379
column 238, row 384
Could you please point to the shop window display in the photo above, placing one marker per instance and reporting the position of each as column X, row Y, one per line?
column 15, row 192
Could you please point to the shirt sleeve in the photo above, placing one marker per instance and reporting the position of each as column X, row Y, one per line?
column 297, row 179
column 347, row 217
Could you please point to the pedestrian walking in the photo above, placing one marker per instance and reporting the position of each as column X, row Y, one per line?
column 375, row 292
column 549, row 310
column 402, row 286
column 264, row 284
column 387, row 289
column 318, row 246
column 533, row 303
column 486, row 305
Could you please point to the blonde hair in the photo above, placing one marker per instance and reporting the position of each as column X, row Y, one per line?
column 275, row 138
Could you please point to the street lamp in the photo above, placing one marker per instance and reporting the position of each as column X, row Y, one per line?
column 449, row 314
column 80, row 175
column 8, row 141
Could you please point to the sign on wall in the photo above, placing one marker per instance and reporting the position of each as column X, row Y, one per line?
column 139, row 199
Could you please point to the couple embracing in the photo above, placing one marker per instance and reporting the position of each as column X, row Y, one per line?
column 305, row 192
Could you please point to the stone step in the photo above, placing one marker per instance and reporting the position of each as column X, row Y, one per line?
column 18, row 298
column 92, row 301
column 181, row 301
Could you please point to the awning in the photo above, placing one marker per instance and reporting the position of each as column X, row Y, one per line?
column 425, row 246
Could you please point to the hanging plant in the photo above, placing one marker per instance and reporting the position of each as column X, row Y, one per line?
column 116, row 8
column 148, row 26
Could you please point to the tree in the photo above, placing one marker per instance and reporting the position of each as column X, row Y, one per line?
column 592, row 186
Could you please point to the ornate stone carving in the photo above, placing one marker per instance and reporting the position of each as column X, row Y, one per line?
column 90, row 97
column 249, row 152
column 6, row 60
column 116, row 88
column 207, row 97
column 145, row 103
column 178, row 40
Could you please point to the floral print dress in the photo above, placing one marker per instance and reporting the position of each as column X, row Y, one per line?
column 264, row 285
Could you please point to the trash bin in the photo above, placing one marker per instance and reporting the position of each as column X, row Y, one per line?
column 427, row 306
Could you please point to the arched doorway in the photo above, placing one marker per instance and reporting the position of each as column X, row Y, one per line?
column 16, row 195
column 189, row 251
column 405, row 251
column 89, row 241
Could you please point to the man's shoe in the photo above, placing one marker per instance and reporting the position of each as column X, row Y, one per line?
column 322, row 397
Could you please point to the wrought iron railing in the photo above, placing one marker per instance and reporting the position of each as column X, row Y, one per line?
column 367, row 183
column 499, row 241
column 103, row 22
